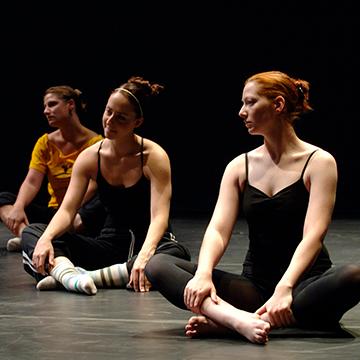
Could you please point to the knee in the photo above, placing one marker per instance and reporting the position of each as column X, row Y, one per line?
column 350, row 275
column 7, row 198
column 31, row 234
column 155, row 266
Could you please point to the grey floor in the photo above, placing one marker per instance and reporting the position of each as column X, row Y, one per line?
column 118, row 324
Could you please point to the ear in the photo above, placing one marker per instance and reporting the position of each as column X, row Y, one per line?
column 279, row 103
column 139, row 121
column 71, row 103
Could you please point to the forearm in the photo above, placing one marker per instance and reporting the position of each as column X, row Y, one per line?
column 211, row 251
column 59, row 224
column 26, row 195
column 303, row 258
column 154, row 234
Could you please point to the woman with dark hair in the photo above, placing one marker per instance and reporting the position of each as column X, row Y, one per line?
column 133, row 178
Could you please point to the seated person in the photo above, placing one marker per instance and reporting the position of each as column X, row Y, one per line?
column 53, row 157
column 133, row 177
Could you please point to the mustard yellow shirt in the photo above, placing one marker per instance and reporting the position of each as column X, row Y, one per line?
column 49, row 160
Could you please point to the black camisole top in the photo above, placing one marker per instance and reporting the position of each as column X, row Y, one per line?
column 127, row 208
column 275, row 226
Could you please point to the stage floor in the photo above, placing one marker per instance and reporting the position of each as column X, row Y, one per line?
column 118, row 324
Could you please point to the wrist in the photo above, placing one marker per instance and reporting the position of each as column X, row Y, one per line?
column 284, row 285
column 203, row 273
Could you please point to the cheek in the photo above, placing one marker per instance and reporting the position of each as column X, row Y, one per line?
column 104, row 122
column 260, row 114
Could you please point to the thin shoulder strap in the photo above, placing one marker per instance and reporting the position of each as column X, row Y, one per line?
column 246, row 166
column 307, row 161
column 142, row 153
column 99, row 154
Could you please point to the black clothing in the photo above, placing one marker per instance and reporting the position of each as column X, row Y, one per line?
column 275, row 223
column 127, row 218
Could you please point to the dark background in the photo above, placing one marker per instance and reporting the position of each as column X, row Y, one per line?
column 201, row 53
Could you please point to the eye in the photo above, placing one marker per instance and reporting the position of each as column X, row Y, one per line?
column 250, row 102
column 51, row 103
column 121, row 119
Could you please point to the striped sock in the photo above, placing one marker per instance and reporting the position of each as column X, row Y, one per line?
column 72, row 279
column 114, row 276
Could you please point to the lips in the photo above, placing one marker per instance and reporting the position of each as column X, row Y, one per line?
column 109, row 129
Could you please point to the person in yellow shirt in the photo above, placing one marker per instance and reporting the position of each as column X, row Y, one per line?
column 133, row 176
column 53, row 157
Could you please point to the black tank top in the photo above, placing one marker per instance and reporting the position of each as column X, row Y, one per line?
column 275, row 226
column 126, row 207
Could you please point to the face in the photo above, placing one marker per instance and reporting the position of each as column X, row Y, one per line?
column 119, row 117
column 257, row 110
column 56, row 109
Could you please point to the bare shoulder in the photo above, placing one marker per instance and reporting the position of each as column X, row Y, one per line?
column 154, row 151
column 238, row 161
column 236, row 169
column 323, row 158
column 322, row 165
column 89, row 153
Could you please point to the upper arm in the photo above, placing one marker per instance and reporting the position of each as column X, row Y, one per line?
column 34, row 178
column 321, row 179
column 228, row 202
column 83, row 170
column 158, row 170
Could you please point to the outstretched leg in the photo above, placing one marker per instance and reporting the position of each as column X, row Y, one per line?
column 114, row 276
column 65, row 272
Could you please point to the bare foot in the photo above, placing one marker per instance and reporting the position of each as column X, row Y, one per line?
column 200, row 326
column 250, row 326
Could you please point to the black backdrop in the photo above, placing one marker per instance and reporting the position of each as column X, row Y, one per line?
column 202, row 54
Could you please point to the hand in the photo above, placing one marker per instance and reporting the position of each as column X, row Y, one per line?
column 43, row 255
column 196, row 290
column 277, row 310
column 16, row 220
column 138, row 280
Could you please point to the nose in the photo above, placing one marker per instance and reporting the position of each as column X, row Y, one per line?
column 242, row 112
column 110, row 118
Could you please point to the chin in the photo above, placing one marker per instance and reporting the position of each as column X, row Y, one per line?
column 109, row 134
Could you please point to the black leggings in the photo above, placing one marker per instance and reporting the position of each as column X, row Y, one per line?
column 34, row 212
column 91, row 252
column 318, row 302
column 92, row 213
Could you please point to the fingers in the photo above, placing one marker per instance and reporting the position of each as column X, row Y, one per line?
column 138, row 281
column 192, row 300
column 147, row 284
column 283, row 318
column 42, row 258
column 51, row 258
column 214, row 297
column 39, row 264
column 261, row 310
